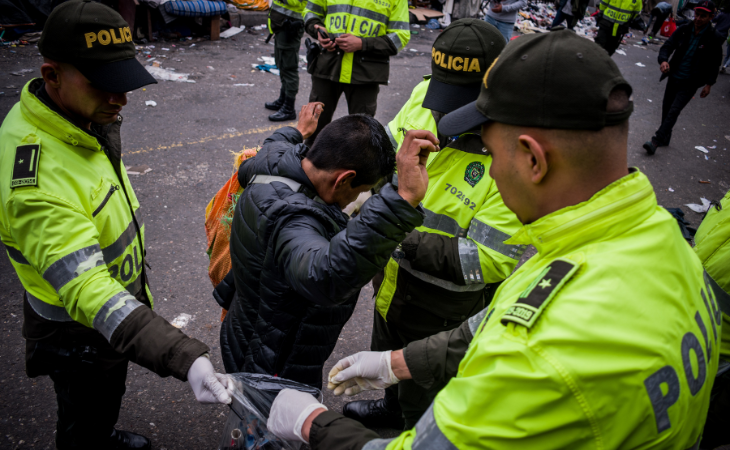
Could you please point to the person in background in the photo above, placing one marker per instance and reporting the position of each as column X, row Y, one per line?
column 447, row 269
column 712, row 245
column 615, row 17
column 564, row 13
column 607, row 338
column 695, row 50
column 298, row 261
column 358, row 37
column 73, row 229
column 722, row 27
column 285, row 21
column 657, row 16
column 503, row 15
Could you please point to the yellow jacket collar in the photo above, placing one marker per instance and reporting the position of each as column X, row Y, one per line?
column 53, row 123
column 613, row 210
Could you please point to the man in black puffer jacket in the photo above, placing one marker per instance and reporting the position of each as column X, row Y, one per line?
column 298, row 262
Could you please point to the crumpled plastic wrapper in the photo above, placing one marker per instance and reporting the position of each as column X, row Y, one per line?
column 245, row 427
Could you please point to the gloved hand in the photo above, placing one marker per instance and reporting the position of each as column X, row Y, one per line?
column 289, row 412
column 364, row 371
column 208, row 386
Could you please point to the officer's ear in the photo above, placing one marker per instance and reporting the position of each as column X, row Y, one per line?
column 533, row 153
column 51, row 73
column 345, row 178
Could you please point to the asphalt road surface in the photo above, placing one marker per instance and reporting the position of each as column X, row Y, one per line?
column 186, row 140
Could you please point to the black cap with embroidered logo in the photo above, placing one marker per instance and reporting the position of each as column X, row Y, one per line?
column 706, row 5
column 459, row 58
column 98, row 42
column 554, row 80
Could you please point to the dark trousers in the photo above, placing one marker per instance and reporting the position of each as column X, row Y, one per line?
column 88, row 376
column 718, row 417
column 361, row 99
column 676, row 96
column 413, row 399
column 286, row 56
column 658, row 17
column 606, row 38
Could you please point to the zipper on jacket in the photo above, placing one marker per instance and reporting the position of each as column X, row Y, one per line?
column 112, row 189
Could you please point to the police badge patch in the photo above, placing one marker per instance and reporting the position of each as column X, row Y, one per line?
column 474, row 173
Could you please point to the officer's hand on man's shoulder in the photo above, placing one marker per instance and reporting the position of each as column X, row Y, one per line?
column 309, row 117
column 411, row 163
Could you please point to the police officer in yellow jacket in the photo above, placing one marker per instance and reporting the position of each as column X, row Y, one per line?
column 712, row 245
column 447, row 269
column 285, row 21
column 358, row 37
column 614, row 22
column 73, row 231
column 607, row 338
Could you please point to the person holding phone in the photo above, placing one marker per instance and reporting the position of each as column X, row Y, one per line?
column 358, row 38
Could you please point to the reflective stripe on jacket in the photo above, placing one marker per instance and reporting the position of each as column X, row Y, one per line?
column 462, row 204
column 607, row 338
column 290, row 8
column 712, row 245
column 383, row 26
column 72, row 237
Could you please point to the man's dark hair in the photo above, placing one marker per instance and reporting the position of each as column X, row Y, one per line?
column 356, row 142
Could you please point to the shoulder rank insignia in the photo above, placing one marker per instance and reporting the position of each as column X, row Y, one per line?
column 474, row 173
column 25, row 169
column 538, row 294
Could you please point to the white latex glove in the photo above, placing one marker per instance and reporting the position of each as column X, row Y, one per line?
column 208, row 386
column 364, row 371
column 289, row 412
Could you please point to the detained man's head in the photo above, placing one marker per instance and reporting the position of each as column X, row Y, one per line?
column 554, row 112
column 349, row 157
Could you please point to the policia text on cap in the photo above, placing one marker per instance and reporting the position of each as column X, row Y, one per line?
column 607, row 338
column 72, row 226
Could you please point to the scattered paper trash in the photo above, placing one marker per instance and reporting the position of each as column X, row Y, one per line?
column 707, row 158
column 138, row 170
column 211, row 67
column 21, row 72
column 165, row 49
column 699, row 209
column 267, row 60
column 640, row 65
column 649, row 100
column 621, row 52
column 413, row 49
column 670, row 190
column 712, row 147
column 267, row 68
column 243, row 84
column 232, row 31
column 168, row 75
column 181, row 320
column 150, row 103
column 192, row 45
column 701, row 148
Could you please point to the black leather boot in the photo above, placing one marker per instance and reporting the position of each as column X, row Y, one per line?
column 123, row 440
column 286, row 112
column 375, row 413
column 276, row 105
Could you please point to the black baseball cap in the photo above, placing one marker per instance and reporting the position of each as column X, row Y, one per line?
column 706, row 5
column 459, row 58
column 551, row 80
column 98, row 42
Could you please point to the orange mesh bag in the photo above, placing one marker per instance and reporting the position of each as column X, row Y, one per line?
column 251, row 5
column 218, row 218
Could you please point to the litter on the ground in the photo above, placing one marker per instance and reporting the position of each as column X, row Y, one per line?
column 701, row 148
column 162, row 74
column 640, row 65
column 712, row 147
column 267, row 60
column 138, row 170
column 232, row 31
column 210, row 67
column 699, row 209
column 705, row 182
column 181, row 320
column 150, row 103
column 267, row 68
column 670, row 190
column 621, row 52
column 649, row 100
column 243, row 84
column 21, row 72
column 413, row 49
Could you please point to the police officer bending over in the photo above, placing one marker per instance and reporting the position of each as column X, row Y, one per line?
column 72, row 227
column 447, row 269
column 608, row 337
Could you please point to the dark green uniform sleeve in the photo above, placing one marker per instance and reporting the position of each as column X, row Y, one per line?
column 309, row 26
column 331, row 430
column 435, row 359
column 381, row 45
column 434, row 254
column 152, row 342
